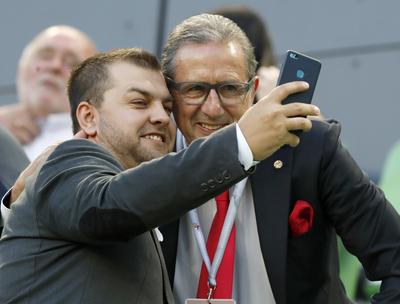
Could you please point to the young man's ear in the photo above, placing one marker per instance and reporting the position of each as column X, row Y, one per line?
column 87, row 117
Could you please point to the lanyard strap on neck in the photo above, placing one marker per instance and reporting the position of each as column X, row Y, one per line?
column 213, row 267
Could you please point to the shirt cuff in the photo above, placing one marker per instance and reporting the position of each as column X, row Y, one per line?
column 5, row 211
column 245, row 155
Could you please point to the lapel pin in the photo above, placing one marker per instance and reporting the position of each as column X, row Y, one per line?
column 278, row 164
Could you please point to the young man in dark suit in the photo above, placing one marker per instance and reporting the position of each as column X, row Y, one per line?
column 290, row 210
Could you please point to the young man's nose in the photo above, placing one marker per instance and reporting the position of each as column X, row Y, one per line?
column 159, row 115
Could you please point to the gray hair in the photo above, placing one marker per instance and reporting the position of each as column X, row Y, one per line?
column 202, row 29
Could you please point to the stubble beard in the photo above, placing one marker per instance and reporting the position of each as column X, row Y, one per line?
column 130, row 154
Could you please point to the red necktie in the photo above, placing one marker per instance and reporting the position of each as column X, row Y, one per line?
column 225, row 272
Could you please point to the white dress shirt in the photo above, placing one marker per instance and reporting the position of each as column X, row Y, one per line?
column 251, row 283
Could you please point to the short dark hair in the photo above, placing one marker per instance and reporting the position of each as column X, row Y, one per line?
column 90, row 79
column 255, row 29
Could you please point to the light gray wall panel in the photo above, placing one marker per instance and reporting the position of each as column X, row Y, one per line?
column 356, row 40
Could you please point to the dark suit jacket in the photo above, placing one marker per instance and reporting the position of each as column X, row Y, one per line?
column 81, row 230
column 304, row 269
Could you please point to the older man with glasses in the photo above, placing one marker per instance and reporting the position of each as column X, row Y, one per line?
column 272, row 237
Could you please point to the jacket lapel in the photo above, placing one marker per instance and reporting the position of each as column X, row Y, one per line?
column 168, row 297
column 169, row 247
column 271, row 187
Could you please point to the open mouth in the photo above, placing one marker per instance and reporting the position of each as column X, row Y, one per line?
column 156, row 137
column 209, row 127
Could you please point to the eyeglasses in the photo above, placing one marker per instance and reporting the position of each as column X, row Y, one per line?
column 196, row 93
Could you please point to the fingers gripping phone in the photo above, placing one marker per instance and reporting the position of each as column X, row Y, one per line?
column 299, row 67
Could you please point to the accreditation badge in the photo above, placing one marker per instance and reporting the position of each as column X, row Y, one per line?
column 211, row 301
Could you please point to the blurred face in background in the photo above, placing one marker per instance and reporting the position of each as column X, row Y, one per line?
column 45, row 66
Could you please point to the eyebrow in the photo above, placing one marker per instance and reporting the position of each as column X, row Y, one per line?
column 148, row 94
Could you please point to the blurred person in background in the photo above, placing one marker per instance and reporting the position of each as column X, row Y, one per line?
column 12, row 161
column 257, row 32
column 41, row 115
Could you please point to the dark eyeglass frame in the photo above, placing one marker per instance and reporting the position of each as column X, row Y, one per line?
column 234, row 100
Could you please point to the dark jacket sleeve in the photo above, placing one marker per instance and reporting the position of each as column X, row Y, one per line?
column 367, row 223
column 84, row 195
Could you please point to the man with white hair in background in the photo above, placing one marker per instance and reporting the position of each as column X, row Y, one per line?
column 41, row 115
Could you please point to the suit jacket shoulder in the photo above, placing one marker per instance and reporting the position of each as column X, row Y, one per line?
column 346, row 202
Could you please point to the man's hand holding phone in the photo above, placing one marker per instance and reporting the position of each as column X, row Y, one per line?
column 268, row 124
column 299, row 67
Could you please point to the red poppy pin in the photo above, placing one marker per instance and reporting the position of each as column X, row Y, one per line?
column 301, row 218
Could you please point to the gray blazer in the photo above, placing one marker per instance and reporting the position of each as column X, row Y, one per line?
column 81, row 232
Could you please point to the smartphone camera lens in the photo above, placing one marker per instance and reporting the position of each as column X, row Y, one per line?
column 300, row 74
